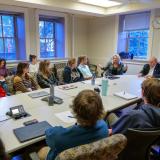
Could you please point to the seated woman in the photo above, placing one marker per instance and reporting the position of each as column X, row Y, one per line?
column 83, row 67
column 34, row 65
column 116, row 67
column 3, row 75
column 45, row 76
column 147, row 115
column 71, row 72
column 87, row 108
column 22, row 81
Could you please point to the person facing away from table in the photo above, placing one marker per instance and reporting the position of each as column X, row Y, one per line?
column 152, row 69
column 3, row 155
column 3, row 75
column 34, row 65
column 83, row 67
column 147, row 115
column 88, row 110
column 23, row 82
column 71, row 73
column 45, row 76
column 115, row 67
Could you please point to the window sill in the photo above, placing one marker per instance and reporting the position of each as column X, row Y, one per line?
column 11, row 64
column 135, row 61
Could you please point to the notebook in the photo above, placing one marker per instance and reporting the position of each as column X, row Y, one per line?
column 125, row 95
column 38, row 94
column 32, row 131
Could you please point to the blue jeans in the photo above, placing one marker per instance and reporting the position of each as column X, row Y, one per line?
column 5, row 87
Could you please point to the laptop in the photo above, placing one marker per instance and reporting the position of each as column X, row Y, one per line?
column 38, row 94
column 32, row 131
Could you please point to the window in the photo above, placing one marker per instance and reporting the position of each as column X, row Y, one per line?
column 51, row 32
column 7, row 37
column 134, row 35
column 138, row 43
column 11, row 32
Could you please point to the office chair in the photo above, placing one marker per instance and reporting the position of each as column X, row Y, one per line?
column 139, row 143
column 104, row 149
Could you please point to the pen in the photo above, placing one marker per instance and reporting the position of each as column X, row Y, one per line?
column 71, row 117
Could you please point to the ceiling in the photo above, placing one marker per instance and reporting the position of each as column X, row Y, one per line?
column 74, row 7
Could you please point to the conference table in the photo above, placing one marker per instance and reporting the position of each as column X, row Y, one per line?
column 40, row 110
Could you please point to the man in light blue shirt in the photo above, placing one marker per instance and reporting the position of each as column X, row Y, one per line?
column 84, row 69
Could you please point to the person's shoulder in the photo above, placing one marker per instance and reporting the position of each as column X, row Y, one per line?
column 53, row 131
column 17, row 79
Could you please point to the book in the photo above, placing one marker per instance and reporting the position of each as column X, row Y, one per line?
column 125, row 95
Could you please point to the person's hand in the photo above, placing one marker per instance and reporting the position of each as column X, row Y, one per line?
column 2, row 78
column 110, row 132
column 100, row 65
column 148, row 77
column 139, row 74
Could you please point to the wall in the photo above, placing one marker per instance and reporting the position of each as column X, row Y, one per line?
column 102, row 39
column 81, row 41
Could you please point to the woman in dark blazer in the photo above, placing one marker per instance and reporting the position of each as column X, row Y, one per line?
column 71, row 73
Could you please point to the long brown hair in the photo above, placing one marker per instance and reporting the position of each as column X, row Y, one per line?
column 20, row 68
column 151, row 91
column 3, row 155
column 43, row 67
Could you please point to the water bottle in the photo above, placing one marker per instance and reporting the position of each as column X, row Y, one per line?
column 51, row 97
column 104, row 86
column 93, row 79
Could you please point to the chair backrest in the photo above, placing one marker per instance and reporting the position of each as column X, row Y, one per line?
column 104, row 149
column 139, row 143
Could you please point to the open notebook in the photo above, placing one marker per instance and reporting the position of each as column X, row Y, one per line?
column 125, row 95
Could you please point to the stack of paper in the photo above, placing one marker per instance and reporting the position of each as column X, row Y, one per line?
column 66, row 117
column 125, row 95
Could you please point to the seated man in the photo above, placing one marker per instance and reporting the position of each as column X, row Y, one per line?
column 147, row 115
column 84, row 69
column 88, row 110
column 152, row 69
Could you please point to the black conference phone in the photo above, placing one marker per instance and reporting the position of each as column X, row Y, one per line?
column 17, row 112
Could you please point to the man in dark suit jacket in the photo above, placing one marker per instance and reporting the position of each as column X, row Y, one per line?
column 152, row 69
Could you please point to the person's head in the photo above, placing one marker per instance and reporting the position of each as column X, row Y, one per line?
column 72, row 63
column 33, row 59
column 44, row 67
column 83, row 60
column 153, row 61
column 3, row 155
column 2, row 63
column 151, row 91
column 116, row 59
column 87, row 108
column 22, row 68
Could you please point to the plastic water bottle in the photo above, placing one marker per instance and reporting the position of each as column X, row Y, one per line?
column 104, row 86
column 93, row 79
column 51, row 97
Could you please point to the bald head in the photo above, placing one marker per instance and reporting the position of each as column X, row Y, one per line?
column 152, row 62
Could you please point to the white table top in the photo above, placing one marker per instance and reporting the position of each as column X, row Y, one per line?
column 41, row 111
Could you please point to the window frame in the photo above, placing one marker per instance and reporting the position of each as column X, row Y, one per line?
column 15, row 34
column 128, row 42
column 44, row 19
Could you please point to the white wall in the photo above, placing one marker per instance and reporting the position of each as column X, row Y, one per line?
column 102, row 39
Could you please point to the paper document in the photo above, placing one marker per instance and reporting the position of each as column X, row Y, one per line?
column 66, row 117
column 125, row 95
column 67, row 87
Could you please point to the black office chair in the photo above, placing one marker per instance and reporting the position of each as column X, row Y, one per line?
column 139, row 143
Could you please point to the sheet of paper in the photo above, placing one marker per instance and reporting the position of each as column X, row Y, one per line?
column 125, row 95
column 97, row 82
column 66, row 117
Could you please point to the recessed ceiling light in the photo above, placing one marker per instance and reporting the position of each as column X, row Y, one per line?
column 102, row 3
